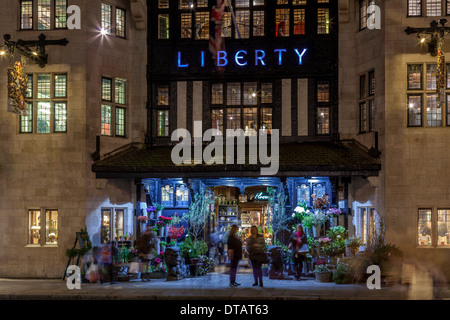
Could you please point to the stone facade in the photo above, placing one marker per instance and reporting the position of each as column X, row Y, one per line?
column 53, row 170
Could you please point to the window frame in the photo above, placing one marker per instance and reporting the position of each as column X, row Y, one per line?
column 114, row 105
column 322, row 105
column 367, row 99
column 434, row 228
column 42, row 242
column 112, row 30
column 112, row 224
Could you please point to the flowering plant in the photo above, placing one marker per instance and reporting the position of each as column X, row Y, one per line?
column 175, row 233
column 321, row 268
column 323, row 240
column 321, row 261
column 158, row 207
column 320, row 202
column 334, row 211
column 151, row 209
column 142, row 218
column 164, row 220
column 301, row 210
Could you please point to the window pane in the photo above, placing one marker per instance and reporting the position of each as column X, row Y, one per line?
column 362, row 14
column 266, row 93
column 43, row 86
column 371, row 83
column 363, row 224
column 217, row 121
column 323, row 1
column 120, row 87
column 298, row 2
column 323, row 92
column 217, row 93
column 163, row 96
column 448, row 110
column 443, row 227
column 250, row 95
column 434, row 8
column 323, row 21
column 106, row 89
column 60, row 90
column 431, row 77
column 303, row 194
column 60, row 14
column 182, row 196
column 233, row 118
column 106, row 226
column 258, row 23
column 34, row 236
column 202, row 25
column 266, row 120
column 372, row 115
column 282, row 1
column 106, row 18
column 251, row 121
column 202, row 3
column 243, row 23
column 106, row 120
column 119, row 216
column 26, row 15
column 163, row 4
column 60, row 117
column 414, row 8
column 323, row 121
column 234, row 94
column 242, row 3
column 424, row 217
column 120, row 122
column 26, row 122
column 30, row 86
column 299, row 21
column 43, row 117
column 434, row 113
column 258, row 2
column 362, row 117
column 51, row 226
column 186, row 4
column 227, row 25
column 186, row 25
column 163, row 26
column 415, row 76
column 282, row 22
column 163, row 123
column 120, row 22
column 414, row 110
column 167, row 195
column 43, row 14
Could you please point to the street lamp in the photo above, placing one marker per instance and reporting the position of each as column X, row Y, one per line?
column 437, row 32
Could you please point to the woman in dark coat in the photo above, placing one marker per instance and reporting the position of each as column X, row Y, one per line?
column 255, row 249
column 297, row 239
column 234, row 253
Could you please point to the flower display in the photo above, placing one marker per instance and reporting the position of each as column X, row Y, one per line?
column 334, row 211
column 142, row 218
column 151, row 209
column 320, row 202
column 175, row 233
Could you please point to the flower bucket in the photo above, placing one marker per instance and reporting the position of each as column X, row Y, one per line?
column 323, row 276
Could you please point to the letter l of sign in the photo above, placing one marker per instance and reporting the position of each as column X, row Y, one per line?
column 179, row 61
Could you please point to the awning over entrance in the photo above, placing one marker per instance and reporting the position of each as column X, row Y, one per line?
column 346, row 158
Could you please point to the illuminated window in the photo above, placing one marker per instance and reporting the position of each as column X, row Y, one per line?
column 202, row 3
column 250, row 93
column 443, row 227
column 299, row 2
column 163, row 4
column 51, row 226
column 60, row 14
column 242, row 3
column 414, row 76
column 282, row 1
column 434, row 112
column 233, row 118
column 323, row 120
column 163, row 96
column 34, row 233
column 163, row 123
column 60, row 118
column 163, row 26
column 43, row 14
column 282, row 22
column 167, row 196
column 43, row 86
column 368, row 225
column 202, row 25
column 186, row 4
column 266, row 93
column 227, row 25
column 414, row 110
column 258, row 2
column 299, row 21
column 186, row 25
column 367, row 102
column 243, row 23
column 26, row 122
column 431, row 77
column 113, row 112
column 120, row 22
column 414, row 8
column 434, row 8
column 106, row 18
column 182, row 196
column 323, row 92
column 250, row 118
column 304, row 194
column 119, row 223
column 60, row 88
column 113, row 224
column 258, row 23
column 448, row 109
column 323, row 21
column 217, row 93
column 266, row 120
column 217, row 121
column 43, row 117
column 105, row 229
column 424, row 227
column 234, row 93
column 26, row 15
column 323, row 1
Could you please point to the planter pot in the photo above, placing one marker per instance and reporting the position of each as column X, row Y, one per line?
column 157, row 275
column 323, row 276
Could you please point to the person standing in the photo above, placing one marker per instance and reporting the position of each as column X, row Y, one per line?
column 234, row 253
column 145, row 245
column 255, row 249
column 296, row 241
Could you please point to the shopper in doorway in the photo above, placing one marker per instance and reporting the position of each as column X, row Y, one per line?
column 296, row 241
column 145, row 245
column 234, row 253
column 255, row 249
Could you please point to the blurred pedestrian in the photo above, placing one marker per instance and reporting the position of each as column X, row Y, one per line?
column 105, row 259
column 145, row 245
column 297, row 240
column 234, row 253
column 255, row 249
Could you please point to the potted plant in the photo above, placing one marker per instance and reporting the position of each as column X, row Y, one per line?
column 352, row 245
column 322, row 273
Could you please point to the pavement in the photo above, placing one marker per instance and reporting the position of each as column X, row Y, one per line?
column 213, row 286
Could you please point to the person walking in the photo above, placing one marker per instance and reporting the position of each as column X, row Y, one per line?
column 234, row 253
column 144, row 246
column 255, row 249
column 296, row 241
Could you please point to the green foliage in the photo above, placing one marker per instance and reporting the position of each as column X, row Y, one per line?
column 343, row 273
column 321, row 268
column 353, row 242
column 278, row 220
column 198, row 213
column 384, row 252
column 193, row 248
column 308, row 221
column 207, row 264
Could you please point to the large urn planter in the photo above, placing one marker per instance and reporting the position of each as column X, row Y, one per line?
column 323, row 276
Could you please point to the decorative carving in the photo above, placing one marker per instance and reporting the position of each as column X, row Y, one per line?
column 176, row 269
column 138, row 12
column 275, row 262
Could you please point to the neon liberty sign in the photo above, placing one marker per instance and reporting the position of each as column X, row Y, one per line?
column 241, row 57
